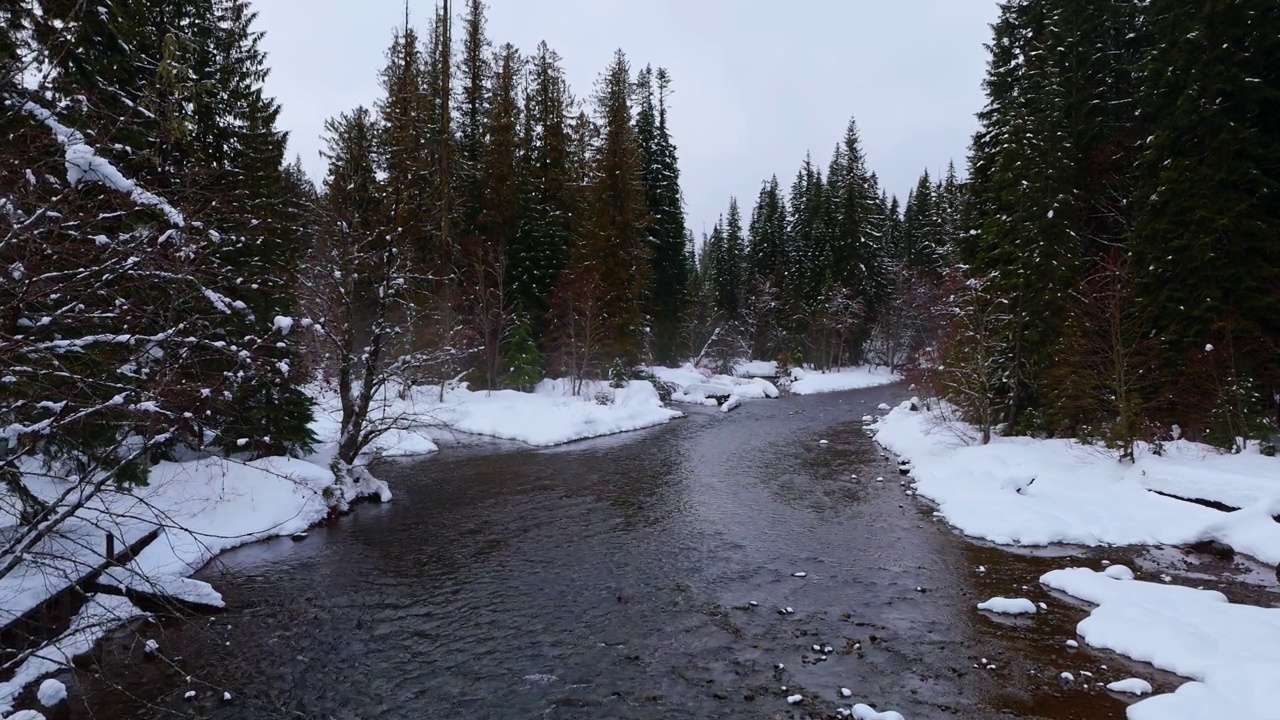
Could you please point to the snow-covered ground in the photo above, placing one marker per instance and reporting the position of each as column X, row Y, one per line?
column 1024, row 491
column 812, row 382
column 1231, row 652
column 550, row 415
column 697, row 386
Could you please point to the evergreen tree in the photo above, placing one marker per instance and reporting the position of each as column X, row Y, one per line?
column 475, row 74
column 614, row 238
column 538, row 252
column 488, row 250
column 670, row 269
column 1208, row 202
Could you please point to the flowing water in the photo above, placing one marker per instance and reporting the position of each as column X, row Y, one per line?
column 638, row 576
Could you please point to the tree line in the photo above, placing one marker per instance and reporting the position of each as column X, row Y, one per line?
column 1121, row 263
column 827, row 273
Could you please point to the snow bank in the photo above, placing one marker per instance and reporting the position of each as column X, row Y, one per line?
column 1024, row 491
column 553, row 415
column 701, row 387
column 812, row 382
column 98, row 616
column 756, row 369
column 1232, row 652
column 550, row 415
column 1008, row 606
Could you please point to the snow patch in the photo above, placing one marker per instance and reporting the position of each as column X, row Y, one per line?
column 1131, row 686
column 812, row 382
column 1008, row 606
column 1231, row 652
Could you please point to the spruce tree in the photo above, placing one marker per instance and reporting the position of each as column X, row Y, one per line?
column 1208, row 204
column 617, row 221
column 668, row 296
column 549, row 206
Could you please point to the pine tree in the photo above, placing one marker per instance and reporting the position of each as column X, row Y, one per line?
column 500, row 177
column 1206, row 206
column 524, row 361
column 614, row 235
column 538, row 252
column 475, row 74
column 670, row 269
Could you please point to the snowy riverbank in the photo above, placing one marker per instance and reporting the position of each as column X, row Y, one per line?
column 1024, row 491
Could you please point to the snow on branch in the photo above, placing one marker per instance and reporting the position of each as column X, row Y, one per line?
column 84, row 164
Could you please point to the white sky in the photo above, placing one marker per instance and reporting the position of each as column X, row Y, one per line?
column 756, row 84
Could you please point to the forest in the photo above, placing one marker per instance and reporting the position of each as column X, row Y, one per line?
column 1106, row 268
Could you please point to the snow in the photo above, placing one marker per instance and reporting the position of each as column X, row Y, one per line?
column 1073, row 644
column 283, row 324
column 698, row 386
column 795, row 699
column 812, row 382
column 1008, row 606
column 99, row 615
column 1230, row 651
column 1118, row 572
column 85, row 165
column 1026, row 491
column 756, row 368
column 866, row 712
column 846, row 692
column 51, row 692
column 1132, row 686
column 550, row 415
column 25, row 715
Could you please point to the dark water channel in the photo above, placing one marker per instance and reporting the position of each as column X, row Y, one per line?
column 612, row 579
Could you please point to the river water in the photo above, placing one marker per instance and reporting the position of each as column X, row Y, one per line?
column 615, row 579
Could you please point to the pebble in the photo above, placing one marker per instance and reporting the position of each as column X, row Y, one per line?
column 800, row 574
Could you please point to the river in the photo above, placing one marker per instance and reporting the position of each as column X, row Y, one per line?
column 616, row 578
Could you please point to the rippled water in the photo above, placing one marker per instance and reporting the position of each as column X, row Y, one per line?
column 613, row 579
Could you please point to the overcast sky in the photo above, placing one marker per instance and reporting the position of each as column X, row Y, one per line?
column 756, row 84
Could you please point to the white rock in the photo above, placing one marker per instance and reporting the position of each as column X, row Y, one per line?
column 1118, row 572
column 795, row 699
column 51, row 692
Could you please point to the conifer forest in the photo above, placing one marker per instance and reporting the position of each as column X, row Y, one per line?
column 1100, row 269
